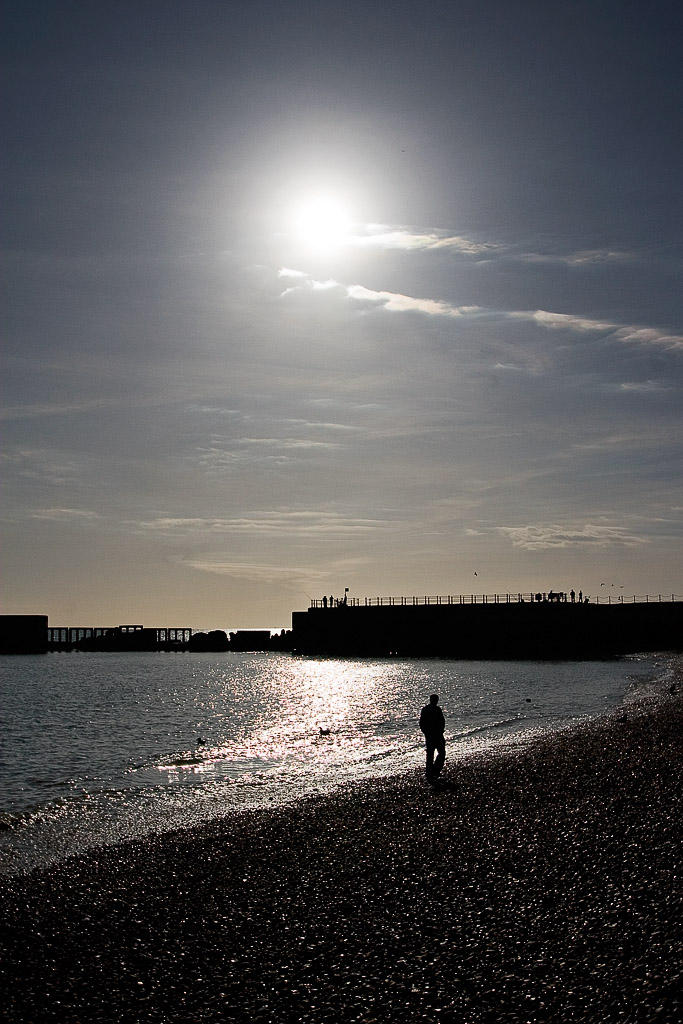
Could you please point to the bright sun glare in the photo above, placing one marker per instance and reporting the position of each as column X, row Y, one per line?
column 321, row 221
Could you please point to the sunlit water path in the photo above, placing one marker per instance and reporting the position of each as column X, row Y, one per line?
column 100, row 747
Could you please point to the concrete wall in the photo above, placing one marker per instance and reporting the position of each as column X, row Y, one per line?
column 23, row 634
column 490, row 631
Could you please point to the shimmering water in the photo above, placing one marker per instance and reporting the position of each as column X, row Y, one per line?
column 100, row 747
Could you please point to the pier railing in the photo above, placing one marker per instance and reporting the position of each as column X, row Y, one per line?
column 551, row 597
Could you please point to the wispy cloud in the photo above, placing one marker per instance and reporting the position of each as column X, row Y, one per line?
column 397, row 302
column 65, row 515
column 645, row 386
column 628, row 333
column 585, row 257
column 407, row 239
column 224, row 452
column 40, row 409
column 382, row 236
column 279, row 522
column 552, row 535
column 293, row 576
column 42, row 465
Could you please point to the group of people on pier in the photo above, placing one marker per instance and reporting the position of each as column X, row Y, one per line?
column 560, row 597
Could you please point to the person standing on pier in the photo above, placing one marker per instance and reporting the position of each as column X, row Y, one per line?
column 432, row 724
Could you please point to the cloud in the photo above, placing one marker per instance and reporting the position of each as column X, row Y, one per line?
column 649, row 336
column 288, row 272
column 645, row 386
column 383, row 236
column 278, row 522
column 39, row 409
column 561, row 321
column 406, row 239
column 612, row 442
column 306, row 283
column 45, row 466
column 644, row 336
column 585, row 257
column 223, row 452
column 258, row 573
column 397, row 302
column 64, row 515
column 553, row 536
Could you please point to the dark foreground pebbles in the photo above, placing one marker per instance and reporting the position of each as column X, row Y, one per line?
column 541, row 885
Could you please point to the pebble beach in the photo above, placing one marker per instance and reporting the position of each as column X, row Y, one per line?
column 540, row 883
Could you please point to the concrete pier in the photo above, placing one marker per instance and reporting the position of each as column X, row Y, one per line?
column 515, row 630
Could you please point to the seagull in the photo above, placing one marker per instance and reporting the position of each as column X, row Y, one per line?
column 476, row 574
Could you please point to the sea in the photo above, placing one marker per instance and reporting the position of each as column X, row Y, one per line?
column 97, row 748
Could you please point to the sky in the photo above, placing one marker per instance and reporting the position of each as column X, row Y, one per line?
column 299, row 297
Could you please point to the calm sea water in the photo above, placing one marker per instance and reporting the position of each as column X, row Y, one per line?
column 96, row 748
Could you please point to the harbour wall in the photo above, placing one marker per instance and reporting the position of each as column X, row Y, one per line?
column 23, row 634
column 520, row 630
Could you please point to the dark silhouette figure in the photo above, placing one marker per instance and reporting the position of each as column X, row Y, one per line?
column 432, row 724
column 572, row 595
column 325, row 602
column 581, row 597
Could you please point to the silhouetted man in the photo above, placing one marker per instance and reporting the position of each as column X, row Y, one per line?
column 432, row 724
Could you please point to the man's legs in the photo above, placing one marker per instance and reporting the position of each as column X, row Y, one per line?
column 440, row 744
column 431, row 747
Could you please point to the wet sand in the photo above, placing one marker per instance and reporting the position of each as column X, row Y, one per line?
column 541, row 884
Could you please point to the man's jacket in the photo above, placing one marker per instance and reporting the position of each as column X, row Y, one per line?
column 432, row 722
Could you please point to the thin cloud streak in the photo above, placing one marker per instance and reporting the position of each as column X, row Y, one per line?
column 382, row 236
column 256, row 573
column 65, row 515
column 397, row 302
column 39, row 409
column 553, row 535
column 277, row 522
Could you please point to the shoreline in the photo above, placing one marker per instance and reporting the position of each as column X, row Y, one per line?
column 31, row 841
column 544, row 884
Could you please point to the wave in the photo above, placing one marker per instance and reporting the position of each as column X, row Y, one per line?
column 502, row 723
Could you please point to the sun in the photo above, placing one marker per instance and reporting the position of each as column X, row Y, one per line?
column 321, row 221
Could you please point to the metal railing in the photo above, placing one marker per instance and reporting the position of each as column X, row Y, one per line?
column 539, row 597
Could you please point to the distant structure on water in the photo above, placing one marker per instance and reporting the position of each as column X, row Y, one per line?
column 513, row 626
column 31, row 634
column 132, row 637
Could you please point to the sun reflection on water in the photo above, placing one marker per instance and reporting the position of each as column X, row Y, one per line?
column 309, row 713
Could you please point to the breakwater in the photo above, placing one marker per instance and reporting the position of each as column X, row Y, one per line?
column 31, row 634
column 518, row 629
